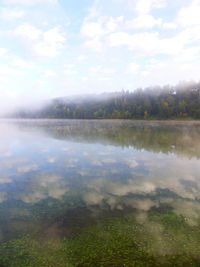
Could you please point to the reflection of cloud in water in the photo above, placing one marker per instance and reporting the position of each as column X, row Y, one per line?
column 190, row 210
column 162, row 240
column 27, row 168
column 86, row 154
column 71, row 162
column 131, row 163
column 174, row 176
column 185, row 207
column 112, row 202
column 115, row 171
column 105, row 153
column 32, row 197
column 43, row 186
column 7, row 154
column 66, row 149
column 142, row 217
column 109, row 160
column 99, row 161
column 96, row 162
column 131, row 187
column 44, row 150
column 12, row 162
column 3, row 197
column 70, row 165
column 84, row 172
column 93, row 198
column 177, row 175
column 142, row 204
column 51, row 159
column 4, row 180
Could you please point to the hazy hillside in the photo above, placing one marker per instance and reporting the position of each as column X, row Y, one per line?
column 180, row 101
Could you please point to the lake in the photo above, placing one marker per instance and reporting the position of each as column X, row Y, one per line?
column 99, row 193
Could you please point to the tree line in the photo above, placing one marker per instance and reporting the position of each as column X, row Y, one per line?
column 167, row 102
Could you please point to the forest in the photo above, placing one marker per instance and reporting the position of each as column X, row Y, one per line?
column 167, row 102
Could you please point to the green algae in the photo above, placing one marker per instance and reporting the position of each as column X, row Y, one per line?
column 159, row 240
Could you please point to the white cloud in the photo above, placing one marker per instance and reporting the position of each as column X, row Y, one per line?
column 133, row 67
column 145, row 6
column 11, row 13
column 53, row 35
column 28, row 31
column 84, row 78
column 95, row 28
column 82, row 58
column 92, row 29
column 189, row 35
column 100, row 27
column 103, row 78
column 29, row 2
column 108, row 71
column 70, row 72
column 144, row 21
column 43, row 43
column 20, row 63
column 154, row 63
column 150, row 42
column 95, row 68
column 145, row 73
column 188, row 16
column 70, row 69
column 8, row 71
column 94, row 44
column 112, row 24
column 51, row 43
column 144, row 42
column 188, row 54
column 3, row 51
column 49, row 73
column 169, row 25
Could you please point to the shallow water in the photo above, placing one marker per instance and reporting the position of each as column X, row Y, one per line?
column 70, row 179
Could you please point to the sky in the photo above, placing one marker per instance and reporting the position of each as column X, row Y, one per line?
column 55, row 48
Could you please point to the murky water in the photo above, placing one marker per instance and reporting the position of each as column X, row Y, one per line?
column 111, row 187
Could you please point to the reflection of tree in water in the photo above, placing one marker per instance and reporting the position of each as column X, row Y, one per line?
column 166, row 137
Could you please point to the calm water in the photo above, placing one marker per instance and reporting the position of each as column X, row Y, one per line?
column 99, row 193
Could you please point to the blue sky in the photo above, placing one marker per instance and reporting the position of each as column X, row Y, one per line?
column 51, row 48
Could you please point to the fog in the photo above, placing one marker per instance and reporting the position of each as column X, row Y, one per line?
column 156, row 102
column 16, row 102
column 31, row 102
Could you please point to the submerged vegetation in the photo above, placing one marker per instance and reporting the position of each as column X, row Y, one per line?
column 175, row 102
column 156, row 239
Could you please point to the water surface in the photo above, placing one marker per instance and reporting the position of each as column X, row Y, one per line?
column 99, row 193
